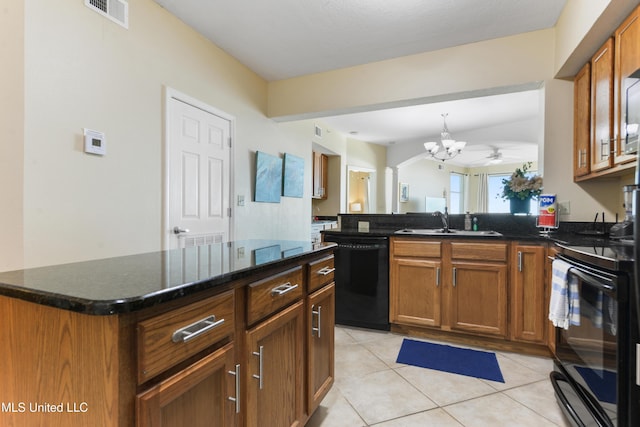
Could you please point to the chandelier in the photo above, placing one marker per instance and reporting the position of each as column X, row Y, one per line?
column 447, row 148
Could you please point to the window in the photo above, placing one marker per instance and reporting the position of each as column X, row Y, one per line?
column 456, row 193
column 496, row 204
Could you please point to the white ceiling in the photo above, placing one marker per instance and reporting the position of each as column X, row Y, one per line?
column 280, row 39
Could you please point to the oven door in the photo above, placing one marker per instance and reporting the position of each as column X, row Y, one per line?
column 592, row 350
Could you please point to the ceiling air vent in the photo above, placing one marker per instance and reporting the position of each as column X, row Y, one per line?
column 116, row 10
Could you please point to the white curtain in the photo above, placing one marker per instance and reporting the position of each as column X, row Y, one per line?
column 483, row 193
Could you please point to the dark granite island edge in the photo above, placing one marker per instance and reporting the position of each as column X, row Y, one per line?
column 130, row 283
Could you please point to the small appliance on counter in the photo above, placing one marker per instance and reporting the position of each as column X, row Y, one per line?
column 624, row 230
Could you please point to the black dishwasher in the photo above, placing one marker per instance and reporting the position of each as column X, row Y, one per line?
column 362, row 280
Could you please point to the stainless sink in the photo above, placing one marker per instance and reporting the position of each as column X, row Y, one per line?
column 453, row 232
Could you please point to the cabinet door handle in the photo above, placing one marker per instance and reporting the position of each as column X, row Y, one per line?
column 236, row 399
column 197, row 328
column 260, row 354
column 326, row 270
column 455, row 276
column 283, row 289
column 318, row 314
column 519, row 260
column 437, row 276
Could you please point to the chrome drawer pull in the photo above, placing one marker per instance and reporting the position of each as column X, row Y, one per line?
column 455, row 276
column 326, row 270
column 318, row 314
column 260, row 354
column 236, row 399
column 198, row 328
column 437, row 277
column 283, row 289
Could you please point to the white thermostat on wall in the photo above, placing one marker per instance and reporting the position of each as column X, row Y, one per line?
column 95, row 142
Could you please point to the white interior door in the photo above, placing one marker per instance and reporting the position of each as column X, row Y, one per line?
column 199, row 157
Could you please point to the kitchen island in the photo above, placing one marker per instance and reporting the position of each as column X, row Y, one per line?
column 179, row 337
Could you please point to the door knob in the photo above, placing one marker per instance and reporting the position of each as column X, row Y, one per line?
column 178, row 230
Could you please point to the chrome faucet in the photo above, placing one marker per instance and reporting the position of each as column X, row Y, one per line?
column 445, row 219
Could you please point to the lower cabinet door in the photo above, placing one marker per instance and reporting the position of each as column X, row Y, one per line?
column 415, row 291
column 320, row 344
column 275, row 351
column 479, row 298
column 197, row 396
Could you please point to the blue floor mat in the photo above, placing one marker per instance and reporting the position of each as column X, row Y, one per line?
column 462, row 361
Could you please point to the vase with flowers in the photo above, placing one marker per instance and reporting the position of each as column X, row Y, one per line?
column 520, row 188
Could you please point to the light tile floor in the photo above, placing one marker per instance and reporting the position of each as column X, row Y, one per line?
column 370, row 389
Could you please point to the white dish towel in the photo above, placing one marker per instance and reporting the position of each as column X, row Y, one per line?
column 564, row 305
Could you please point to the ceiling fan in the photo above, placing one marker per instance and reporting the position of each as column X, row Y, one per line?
column 495, row 157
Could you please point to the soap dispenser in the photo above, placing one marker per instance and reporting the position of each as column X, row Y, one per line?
column 475, row 224
column 467, row 222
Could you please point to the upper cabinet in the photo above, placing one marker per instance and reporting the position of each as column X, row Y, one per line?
column 582, row 122
column 320, row 175
column 600, row 103
column 627, row 62
column 601, row 108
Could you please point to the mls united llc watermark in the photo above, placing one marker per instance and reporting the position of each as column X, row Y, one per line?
column 32, row 407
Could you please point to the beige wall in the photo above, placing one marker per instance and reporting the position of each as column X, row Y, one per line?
column 446, row 73
column 82, row 70
column 475, row 69
column 11, row 133
column 75, row 69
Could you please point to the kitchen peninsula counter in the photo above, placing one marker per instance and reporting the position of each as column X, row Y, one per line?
column 131, row 340
column 134, row 282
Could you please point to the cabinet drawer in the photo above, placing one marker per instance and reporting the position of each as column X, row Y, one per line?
column 269, row 295
column 320, row 273
column 417, row 248
column 169, row 338
column 479, row 251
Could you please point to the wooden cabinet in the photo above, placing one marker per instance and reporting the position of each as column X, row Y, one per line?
column 202, row 393
column 627, row 62
column 602, row 107
column 320, row 344
column 169, row 338
column 253, row 351
column 197, row 396
column 478, row 291
column 459, row 286
column 528, row 294
column 320, row 306
column 415, row 274
column 582, row 122
column 275, row 370
column 610, row 70
column 320, row 175
column 551, row 330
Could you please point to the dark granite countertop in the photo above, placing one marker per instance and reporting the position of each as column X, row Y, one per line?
column 129, row 283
